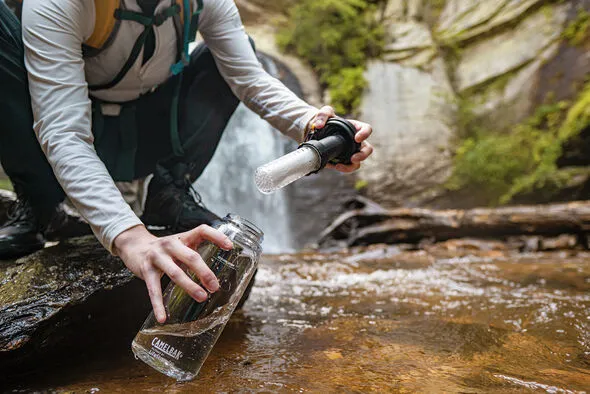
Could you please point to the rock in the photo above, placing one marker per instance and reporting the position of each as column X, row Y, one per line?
column 410, row 110
column 510, row 50
column 463, row 20
column 496, row 61
column 503, row 92
column 410, row 104
column 66, row 297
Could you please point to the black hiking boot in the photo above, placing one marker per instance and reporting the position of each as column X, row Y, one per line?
column 175, row 204
column 22, row 234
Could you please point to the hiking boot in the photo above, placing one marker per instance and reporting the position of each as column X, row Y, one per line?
column 175, row 205
column 22, row 233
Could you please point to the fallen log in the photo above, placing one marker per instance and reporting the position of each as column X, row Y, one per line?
column 411, row 225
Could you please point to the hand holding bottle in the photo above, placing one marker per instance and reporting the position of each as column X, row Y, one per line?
column 149, row 257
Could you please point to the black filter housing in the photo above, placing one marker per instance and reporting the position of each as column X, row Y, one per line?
column 334, row 142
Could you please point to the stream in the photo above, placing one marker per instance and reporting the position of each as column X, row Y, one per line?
column 473, row 318
column 460, row 316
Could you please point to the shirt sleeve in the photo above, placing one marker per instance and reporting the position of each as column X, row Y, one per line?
column 53, row 32
column 223, row 32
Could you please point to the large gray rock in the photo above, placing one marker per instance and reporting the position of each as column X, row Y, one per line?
column 411, row 110
column 463, row 20
column 511, row 50
column 495, row 61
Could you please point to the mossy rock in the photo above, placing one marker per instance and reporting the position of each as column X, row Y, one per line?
column 66, row 298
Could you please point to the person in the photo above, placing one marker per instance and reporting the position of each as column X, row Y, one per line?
column 75, row 119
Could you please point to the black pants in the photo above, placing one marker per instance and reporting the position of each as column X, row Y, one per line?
column 206, row 105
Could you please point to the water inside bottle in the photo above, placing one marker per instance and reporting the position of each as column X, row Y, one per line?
column 179, row 347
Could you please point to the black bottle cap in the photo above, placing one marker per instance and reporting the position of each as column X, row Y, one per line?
column 346, row 130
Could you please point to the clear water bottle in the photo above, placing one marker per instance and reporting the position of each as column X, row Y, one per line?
column 179, row 347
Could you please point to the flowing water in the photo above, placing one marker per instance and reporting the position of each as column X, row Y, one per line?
column 383, row 319
column 248, row 143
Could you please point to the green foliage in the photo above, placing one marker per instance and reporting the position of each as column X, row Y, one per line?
column 5, row 184
column 336, row 37
column 505, row 165
column 346, row 89
column 577, row 31
column 361, row 185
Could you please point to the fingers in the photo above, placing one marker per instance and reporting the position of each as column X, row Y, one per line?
column 195, row 263
column 323, row 115
column 152, row 281
column 196, row 236
column 364, row 130
column 347, row 168
column 363, row 154
column 178, row 276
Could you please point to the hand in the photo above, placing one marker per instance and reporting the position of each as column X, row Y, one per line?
column 364, row 130
column 149, row 257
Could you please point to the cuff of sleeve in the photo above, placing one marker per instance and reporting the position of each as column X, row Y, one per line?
column 108, row 235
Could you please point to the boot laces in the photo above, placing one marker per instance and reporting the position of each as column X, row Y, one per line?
column 21, row 209
column 191, row 198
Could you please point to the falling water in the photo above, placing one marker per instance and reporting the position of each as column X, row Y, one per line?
column 227, row 185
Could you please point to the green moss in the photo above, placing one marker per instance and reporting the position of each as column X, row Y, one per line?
column 5, row 184
column 577, row 31
column 361, row 185
column 336, row 37
column 346, row 89
column 523, row 161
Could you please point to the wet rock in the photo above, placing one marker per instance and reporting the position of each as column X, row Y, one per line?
column 64, row 298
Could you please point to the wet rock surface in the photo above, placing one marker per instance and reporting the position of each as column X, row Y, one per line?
column 62, row 299
column 467, row 316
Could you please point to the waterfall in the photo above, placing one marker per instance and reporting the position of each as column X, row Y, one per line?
column 291, row 217
column 227, row 185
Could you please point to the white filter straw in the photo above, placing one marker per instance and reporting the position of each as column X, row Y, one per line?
column 287, row 169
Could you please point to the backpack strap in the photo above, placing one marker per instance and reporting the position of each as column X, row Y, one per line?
column 190, row 28
column 148, row 22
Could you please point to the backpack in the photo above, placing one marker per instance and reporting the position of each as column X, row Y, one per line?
column 109, row 15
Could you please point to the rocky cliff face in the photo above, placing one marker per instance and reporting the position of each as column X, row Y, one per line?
column 499, row 58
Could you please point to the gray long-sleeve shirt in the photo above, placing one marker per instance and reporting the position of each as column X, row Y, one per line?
column 53, row 33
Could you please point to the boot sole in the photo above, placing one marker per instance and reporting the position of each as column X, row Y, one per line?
column 20, row 250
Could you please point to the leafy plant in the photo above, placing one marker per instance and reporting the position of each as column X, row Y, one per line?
column 335, row 37
column 505, row 165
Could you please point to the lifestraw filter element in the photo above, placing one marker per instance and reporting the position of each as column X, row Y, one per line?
column 287, row 169
column 334, row 143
